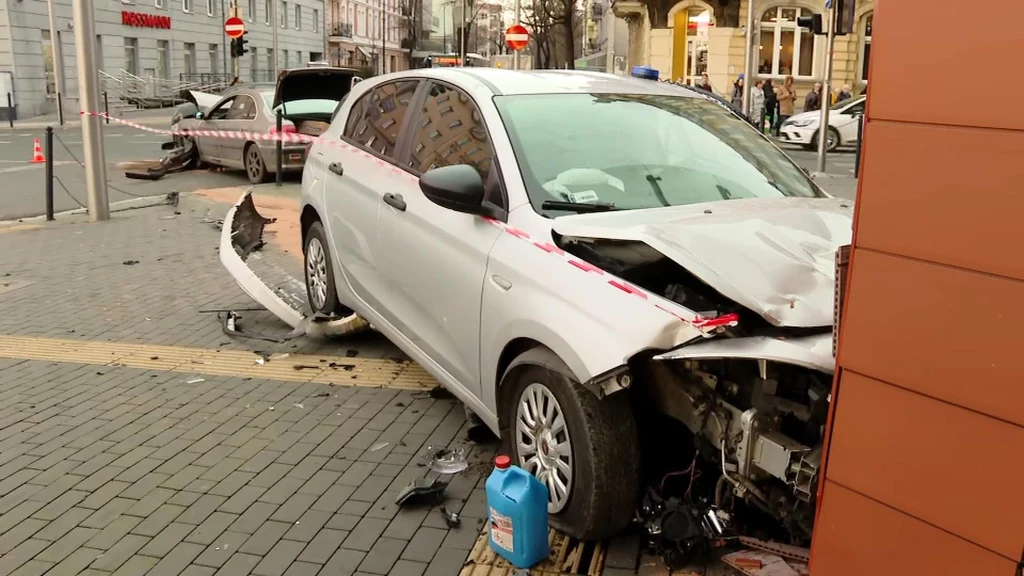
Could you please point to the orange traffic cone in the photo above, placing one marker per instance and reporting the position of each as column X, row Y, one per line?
column 37, row 153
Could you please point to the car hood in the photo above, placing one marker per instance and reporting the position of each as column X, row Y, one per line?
column 203, row 100
column 774, row 256
column 313, row 84
column 804, row 116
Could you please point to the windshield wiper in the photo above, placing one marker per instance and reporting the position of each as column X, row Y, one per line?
column 653, row 181
column 574, row 207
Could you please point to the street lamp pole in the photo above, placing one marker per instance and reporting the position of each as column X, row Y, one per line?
column 748, row 63
column 277, row 56
column 89, row 98
column 57, row 52
column 826, row 91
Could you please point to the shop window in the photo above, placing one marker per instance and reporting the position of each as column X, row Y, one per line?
column 865, row 58
column 163, row 59
column 786, row 49
column 131, row 56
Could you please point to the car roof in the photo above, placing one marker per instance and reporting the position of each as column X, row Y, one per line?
column 502, row 81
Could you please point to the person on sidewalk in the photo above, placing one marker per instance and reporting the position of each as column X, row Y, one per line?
column 845, row 94
column 705, row 84
column 737, row 92
column 757, row 106
column 771, row 104
column 786, row 95
column 813, row 101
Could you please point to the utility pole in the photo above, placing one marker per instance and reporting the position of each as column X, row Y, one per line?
column 609, row 21
column 224, row 42
column 462, row 34
column 383, row 38
column 57, row 52
column 826, row 91
column 748, row 64
column 89, row 98
column 515, row 53
column 237, row 64
column 273, row 24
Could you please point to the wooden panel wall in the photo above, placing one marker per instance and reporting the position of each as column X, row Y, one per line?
column 925, row 466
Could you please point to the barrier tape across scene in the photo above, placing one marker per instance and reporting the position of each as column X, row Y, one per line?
column 707, row 326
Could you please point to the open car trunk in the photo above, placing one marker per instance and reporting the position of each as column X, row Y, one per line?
column 308, row 96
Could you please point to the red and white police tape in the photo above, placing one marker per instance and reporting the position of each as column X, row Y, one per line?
column 707, row 326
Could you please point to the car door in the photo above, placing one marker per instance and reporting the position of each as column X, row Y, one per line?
column 359, row 173
column 210, row 146
column 240, row 117
column 434, row 259
column 847, row 122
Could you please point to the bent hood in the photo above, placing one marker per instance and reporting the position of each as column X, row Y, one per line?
column 775, row 256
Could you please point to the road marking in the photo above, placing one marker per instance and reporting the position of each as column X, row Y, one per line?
column 367, row 372
column 32, row 166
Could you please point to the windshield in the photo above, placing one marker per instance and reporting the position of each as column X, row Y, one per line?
column 302, row 107
column 625, row 152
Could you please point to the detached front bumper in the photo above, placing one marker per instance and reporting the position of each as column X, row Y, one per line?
column 241, row 234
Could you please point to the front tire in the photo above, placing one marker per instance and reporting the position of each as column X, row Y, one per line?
column 584, row 449
column 832, row 142
column 321, row 292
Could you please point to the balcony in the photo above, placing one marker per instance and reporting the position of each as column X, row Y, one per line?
column 342, row 31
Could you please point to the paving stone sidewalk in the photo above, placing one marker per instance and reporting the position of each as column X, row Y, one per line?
column 117, row 470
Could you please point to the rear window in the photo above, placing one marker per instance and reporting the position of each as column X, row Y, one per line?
column 302, row 107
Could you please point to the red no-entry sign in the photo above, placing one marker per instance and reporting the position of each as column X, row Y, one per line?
column 517, row 37
column 234, row 27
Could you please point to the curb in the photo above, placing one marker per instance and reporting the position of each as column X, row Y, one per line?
column 119, row 206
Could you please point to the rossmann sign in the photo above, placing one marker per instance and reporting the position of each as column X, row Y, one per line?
column 140, row 20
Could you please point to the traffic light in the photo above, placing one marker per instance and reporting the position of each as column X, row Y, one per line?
column 242, row 50
column 812, row 22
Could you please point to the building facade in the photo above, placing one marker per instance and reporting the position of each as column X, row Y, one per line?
column 685, row 39
column 171, row 40
column 360, row 31
column 605, row 38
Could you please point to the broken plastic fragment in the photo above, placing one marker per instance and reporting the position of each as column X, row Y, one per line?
column 299, row 406
column 421, row 489
column 445, row 461
column 195, row 381
column 451, row 519
column 378, row 446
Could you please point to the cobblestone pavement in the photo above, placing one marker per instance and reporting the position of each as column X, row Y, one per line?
column 127, row 470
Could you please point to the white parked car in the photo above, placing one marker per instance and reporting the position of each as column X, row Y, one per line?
column 842, row 121
column 574, row 253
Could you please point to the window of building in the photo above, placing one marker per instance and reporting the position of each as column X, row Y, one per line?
column 99, row 51
column 298, row 17
column 254, row 65
column 377, row 117
column 213, row 51
column 131, row 56
column 268, row 6
column 284, row 15
column 866, row 50
column 161, row 3
column 48, row 66
column 209, row 7
column 163, row 59
column 190, row 58
column 286, row 63
column 316, row 20
column 785, row 48
column 450, row 131
column 270, row 61
column 186, row 6
column 252, row 10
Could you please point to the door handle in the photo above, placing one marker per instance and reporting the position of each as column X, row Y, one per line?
column 337, row 168
column 395, row 201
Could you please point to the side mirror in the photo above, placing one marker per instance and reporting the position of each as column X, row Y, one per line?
column 457, row 187
column 199, row 115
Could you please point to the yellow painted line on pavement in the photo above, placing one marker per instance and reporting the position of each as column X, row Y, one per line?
column 339, row 370
column 566, row 556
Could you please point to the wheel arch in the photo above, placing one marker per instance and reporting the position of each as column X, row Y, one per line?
column 519, row 353
column 306, row 219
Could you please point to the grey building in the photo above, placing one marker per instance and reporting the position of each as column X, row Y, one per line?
column 162, row 42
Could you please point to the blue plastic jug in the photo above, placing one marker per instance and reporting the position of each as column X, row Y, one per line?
column 517, row 506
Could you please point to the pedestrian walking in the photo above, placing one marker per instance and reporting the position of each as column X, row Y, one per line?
column 786, row 96
column 757, row 106
column 705, row 84
column 771, row 104
column 845, row 94
column 737, row 92
column 813, row 101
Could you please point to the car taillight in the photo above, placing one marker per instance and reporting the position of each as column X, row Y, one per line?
column 286, row 128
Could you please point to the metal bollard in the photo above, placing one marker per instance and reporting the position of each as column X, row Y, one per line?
column 860, row 138
column 10, row 110
column 49, row 173
column 106, row 107
column 280, row 162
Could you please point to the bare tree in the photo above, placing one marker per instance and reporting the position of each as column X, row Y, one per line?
column 554, row 26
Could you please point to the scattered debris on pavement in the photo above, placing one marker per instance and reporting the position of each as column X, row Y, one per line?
column 130, row 262
column 421, row 490
column 445, row 460
column 451, row 519
column 178, row 160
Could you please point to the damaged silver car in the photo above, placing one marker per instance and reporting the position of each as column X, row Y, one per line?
column 572, row 252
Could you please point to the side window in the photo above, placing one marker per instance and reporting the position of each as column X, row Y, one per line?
column 855, row 109
column 221, row 111
column 377, row 116
column 450, row 131
column 244, row 108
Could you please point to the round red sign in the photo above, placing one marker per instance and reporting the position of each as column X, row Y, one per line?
column 234, row 27
column 517, row 37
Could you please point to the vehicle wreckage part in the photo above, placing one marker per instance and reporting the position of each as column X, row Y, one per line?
column 814, row 352
column 602, row 493
column 241, row 233
column 179, row 159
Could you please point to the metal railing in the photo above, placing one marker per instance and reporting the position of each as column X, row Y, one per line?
column 128, row 90
column 343, row 30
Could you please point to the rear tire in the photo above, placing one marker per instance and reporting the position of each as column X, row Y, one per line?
column 593, row 440
column 255, row 169
column 321, row 292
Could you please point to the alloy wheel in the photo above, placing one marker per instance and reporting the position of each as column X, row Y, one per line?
column 543, row 444
column 316, row 273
